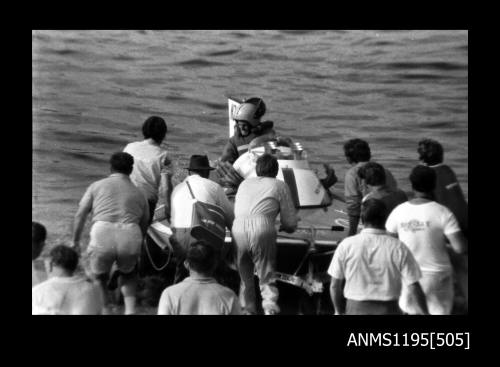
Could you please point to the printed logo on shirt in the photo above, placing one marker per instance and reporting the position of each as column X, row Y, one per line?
column 414, row 225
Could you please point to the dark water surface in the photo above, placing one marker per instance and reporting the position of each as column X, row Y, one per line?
column 92, row 90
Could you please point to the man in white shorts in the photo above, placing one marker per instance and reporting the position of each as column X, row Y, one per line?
column 120, row 220
column 425, row 226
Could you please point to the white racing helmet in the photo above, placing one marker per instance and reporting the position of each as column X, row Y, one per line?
column 247, row 112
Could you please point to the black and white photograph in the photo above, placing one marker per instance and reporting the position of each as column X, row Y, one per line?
column 315, row 173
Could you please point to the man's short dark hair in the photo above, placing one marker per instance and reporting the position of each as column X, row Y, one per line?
column 202, row 257
column 373, row 174
column 38, row 236
column 430, row 152
column 374, row 213
column 267, row 166
column 155, row 128
column 357, row 150
column 423, row 179
column 122, row 162
column 64, row 257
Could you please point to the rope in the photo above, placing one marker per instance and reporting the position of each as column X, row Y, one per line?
column 151, row 259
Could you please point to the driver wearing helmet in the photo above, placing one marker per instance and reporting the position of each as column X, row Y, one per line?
column 248, row 127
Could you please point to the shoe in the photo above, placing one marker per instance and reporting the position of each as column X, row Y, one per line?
column 271, row 312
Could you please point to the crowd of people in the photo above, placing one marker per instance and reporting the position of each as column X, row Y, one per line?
column 409, row 257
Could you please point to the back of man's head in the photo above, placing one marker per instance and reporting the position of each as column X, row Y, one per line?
column 267, row 166
column 430, row 152
column 38, row 236
column 122, row 162
column 373, row 174
column 202, row 257
column 155, row 128
column 423, row 179
column 357, row 150
column 374, row 213
column 64, row 257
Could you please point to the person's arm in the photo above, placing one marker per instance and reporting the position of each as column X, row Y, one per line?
column 168, row 195
column 353, row 198
column 418, row 298
column 288, row 213
column 353, row 225
column 83, row 211
column 336, row 293
column 337, row 272
column 458, row 242
column 453, row 233
column 228, row 175
column 229, row 153
column 236, row 308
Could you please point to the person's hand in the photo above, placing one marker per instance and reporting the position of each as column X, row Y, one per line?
column 285, row 229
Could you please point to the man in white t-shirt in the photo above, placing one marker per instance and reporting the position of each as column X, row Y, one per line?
column 374, row 266
column 149, row 160
column 425, row 226
column 65, row 293
column 199, row 294
column 204, row 190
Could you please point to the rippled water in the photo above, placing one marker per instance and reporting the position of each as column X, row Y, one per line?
column 93, row 89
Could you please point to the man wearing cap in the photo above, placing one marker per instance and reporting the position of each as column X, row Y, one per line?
column 120, row 216
column 248, row 127
column 204, row 190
